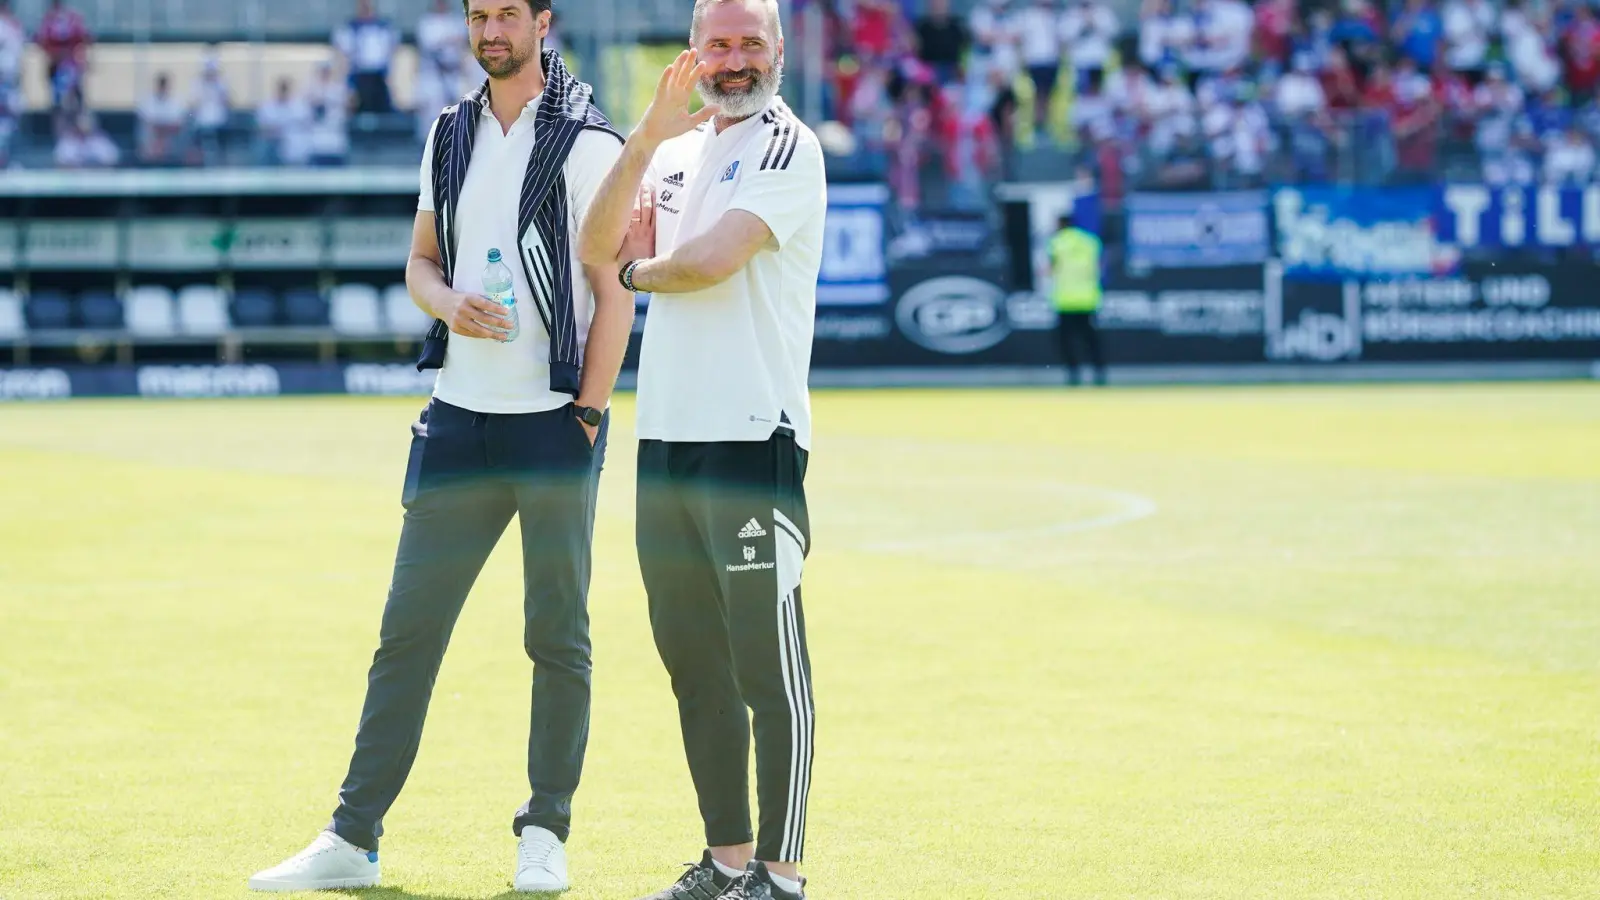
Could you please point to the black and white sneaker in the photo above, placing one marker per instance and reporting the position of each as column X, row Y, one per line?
column 701, row 882
column 756, row 884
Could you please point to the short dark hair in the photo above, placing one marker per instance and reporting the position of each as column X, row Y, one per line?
column 534, row 6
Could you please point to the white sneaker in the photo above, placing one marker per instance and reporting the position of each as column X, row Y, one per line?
column 329, row 863
column 541, row 861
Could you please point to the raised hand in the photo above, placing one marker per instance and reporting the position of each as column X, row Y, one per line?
column 668, row 115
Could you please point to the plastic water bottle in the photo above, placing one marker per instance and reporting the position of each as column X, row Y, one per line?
column 497, row 286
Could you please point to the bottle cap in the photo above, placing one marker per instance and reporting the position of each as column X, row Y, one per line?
column 494, row 254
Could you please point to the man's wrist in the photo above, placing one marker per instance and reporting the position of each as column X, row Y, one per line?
column 625, row 275
column 641, row 143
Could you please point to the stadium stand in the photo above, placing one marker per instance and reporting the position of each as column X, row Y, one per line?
column 254, row 307
column 100, row 310
column 305, row 307
column 354, row 309
column 150, row 312
column 202, row 310
column 48, row 311
column 12, row 324
column 402, row 315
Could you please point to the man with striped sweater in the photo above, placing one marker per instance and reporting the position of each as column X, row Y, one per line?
column 727, row 239
column 516, row 428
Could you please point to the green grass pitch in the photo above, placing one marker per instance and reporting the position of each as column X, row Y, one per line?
column 1280, row 643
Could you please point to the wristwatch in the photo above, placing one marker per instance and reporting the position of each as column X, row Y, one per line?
column 625, row 274
column 589, row 416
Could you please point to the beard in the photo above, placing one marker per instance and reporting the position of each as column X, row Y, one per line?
column 742, row 103
column 509, row 65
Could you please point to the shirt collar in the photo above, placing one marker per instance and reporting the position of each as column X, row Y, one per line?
column 528, row 111
column 743, row 126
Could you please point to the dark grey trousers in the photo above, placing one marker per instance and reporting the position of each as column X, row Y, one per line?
column 469, row 473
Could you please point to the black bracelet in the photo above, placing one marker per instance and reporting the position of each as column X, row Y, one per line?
column 625, row 275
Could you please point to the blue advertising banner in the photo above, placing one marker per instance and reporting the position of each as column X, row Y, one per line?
column 1474, row 215
column 854, row 267
column 1334, row 234
column 1197, row 230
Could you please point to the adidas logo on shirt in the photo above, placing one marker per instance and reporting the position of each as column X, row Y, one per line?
column 675, row 179
column 752, row 529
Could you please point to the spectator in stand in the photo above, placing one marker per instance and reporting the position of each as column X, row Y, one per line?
column 13, row 40
column 1171, row 112
column 1504, row 133
column 871, row 110
column 996, row 42
column 1039, row 24
column 1089, row 28
column 1569, row 159
column 162, row 118
column 1222, row 37
column 66, row 86
column 1580, row 45
column 441, row 62
column 1340, row 83
column 1418, row 32
column 210, row 108
column 1300, row 103
column 1529, row 48
column 1467, row 27
column 1359, row 27
column 1275, row 20
column 327, row 109
column 1003, row 105
column 879, row 30
column 1414, row 120
column 368, row 45
column 942, row 40
column 84, row 146
column 282, row 123
column 1453, row 93
column 1164, row 35
column 62, row 36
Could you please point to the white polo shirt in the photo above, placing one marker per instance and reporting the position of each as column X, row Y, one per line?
column 730, row 363
column 484, row 375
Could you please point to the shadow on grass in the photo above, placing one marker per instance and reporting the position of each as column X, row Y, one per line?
column 404, row 894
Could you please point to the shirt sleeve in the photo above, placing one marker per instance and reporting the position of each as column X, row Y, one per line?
column 785, row 184
column 425, row 195
column 591, row 159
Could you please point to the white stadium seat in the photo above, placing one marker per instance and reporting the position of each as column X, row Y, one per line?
column 203, row 310
column 12, row 324
column 148, row 311
column 353, row 309
column 403, row 315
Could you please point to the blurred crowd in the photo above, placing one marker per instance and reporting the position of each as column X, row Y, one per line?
column 301, row 122
column 1219, row 93
column 1142, row 93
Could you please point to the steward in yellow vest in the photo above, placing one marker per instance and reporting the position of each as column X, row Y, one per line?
column 1075, row 292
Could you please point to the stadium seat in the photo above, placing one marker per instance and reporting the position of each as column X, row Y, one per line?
column 255, row 307
column 100, row 310
column 202, row 310
column 403, row 315
column 48, row 310
column 354, row 309
column 305, row 307
column 149, row 311
column 12, row 325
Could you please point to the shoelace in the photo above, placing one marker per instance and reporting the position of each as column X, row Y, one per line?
column 695, row 884
column 323, row 844
column 747, row 887
column 535, row 854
